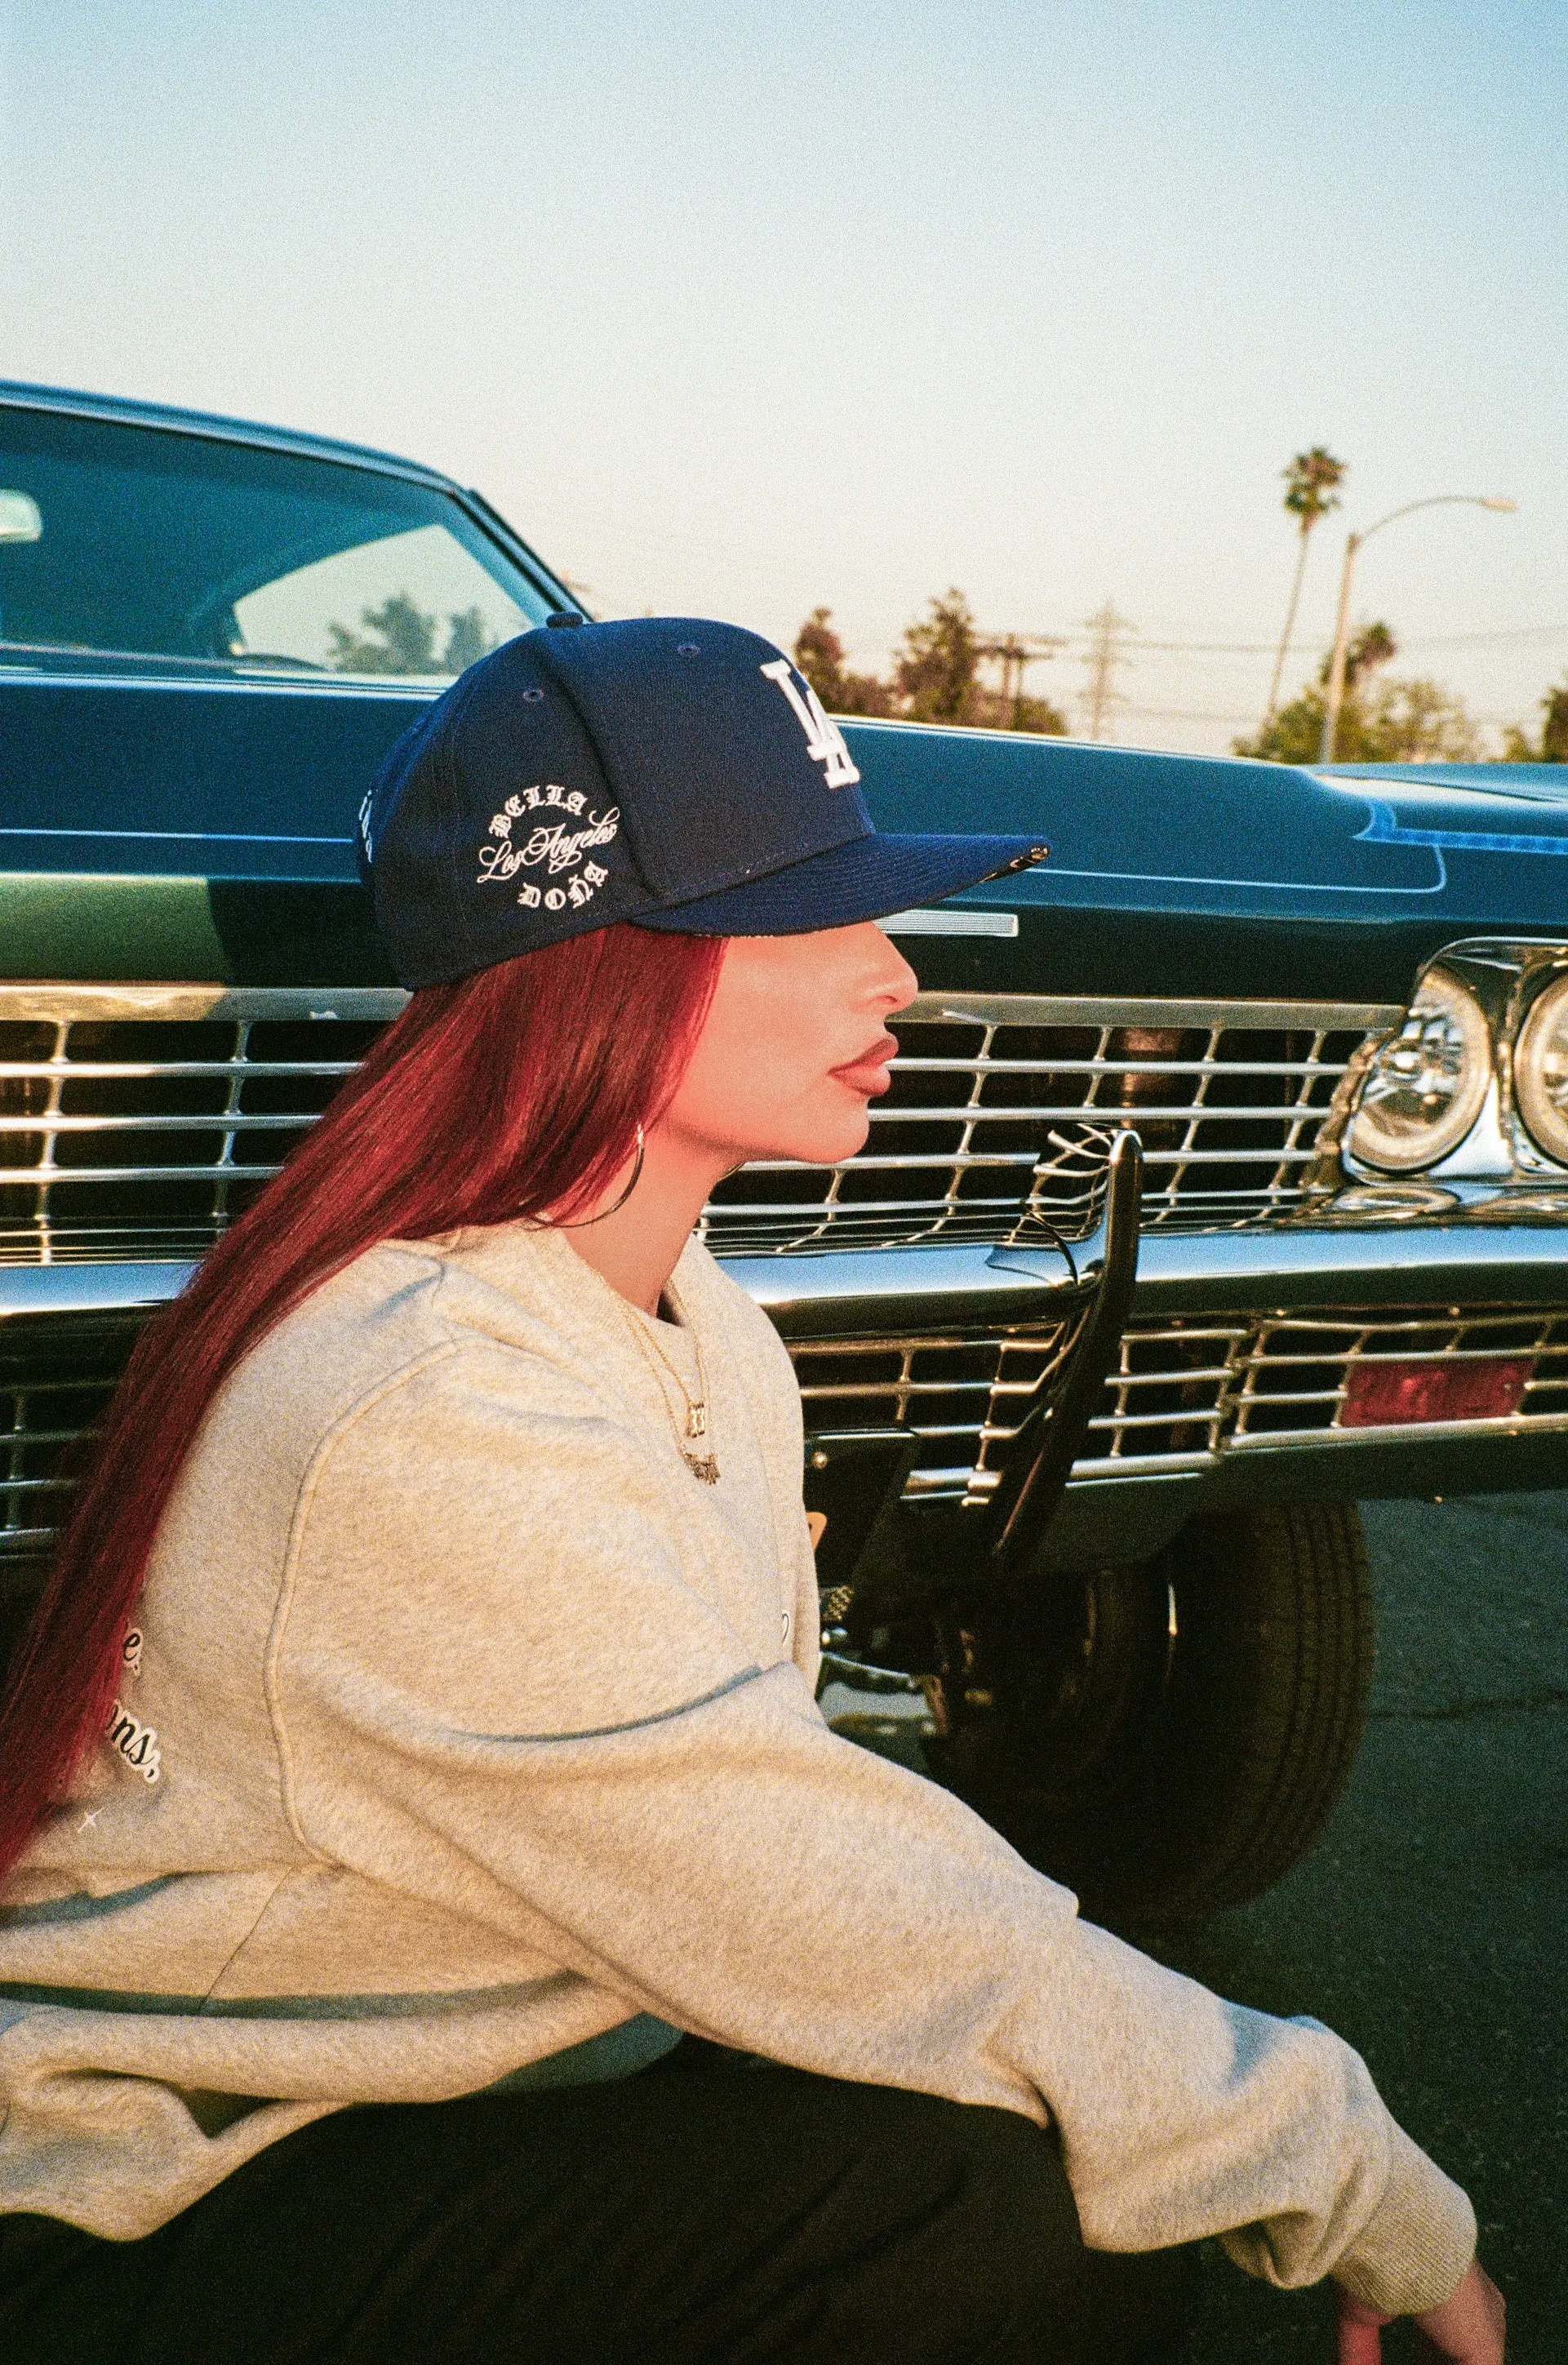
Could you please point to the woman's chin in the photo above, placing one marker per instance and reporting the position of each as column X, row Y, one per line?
column 832, row 1150
column 824, row 1145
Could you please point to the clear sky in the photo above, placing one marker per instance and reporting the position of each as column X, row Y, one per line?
column 740, row 309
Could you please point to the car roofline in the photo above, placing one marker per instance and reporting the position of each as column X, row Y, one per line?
column 15, row 394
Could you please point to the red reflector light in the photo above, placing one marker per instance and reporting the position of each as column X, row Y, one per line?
column 1484, row 1388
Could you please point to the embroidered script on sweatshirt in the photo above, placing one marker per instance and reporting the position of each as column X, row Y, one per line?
column 136, row 1743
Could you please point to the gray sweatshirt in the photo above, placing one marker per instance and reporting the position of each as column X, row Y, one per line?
column 469, row 1739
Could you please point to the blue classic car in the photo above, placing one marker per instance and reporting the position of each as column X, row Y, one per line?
column 1087, row 1543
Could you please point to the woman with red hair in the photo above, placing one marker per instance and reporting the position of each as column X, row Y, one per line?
column 438, row 1922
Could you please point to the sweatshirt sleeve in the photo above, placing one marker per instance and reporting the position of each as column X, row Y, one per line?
column 499, row 1682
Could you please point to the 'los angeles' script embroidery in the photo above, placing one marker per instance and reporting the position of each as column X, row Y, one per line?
column 551, row 844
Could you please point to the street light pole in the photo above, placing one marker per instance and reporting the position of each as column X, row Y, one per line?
column 1353, row 542
column 1336, row 697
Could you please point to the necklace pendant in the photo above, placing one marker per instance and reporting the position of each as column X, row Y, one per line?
column 697, row 1419
column 703, row 1466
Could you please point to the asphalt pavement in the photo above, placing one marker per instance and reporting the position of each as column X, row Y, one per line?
column 1430, row 1926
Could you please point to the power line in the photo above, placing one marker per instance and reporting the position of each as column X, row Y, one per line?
column 1231, row 648
column 1473, row 640
column 1182, row 714
column 1318, row 648
column 1188, row 714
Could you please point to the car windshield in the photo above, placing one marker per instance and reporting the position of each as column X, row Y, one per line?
column 152, row 547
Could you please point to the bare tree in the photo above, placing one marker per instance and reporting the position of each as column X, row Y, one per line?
column 1310, row 482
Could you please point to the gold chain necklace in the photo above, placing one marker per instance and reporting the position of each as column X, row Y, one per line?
column 702, row 1467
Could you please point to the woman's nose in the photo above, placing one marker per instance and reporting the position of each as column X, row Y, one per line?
column 899, row 983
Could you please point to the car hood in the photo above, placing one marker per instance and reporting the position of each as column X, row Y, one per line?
column 236, row 798
column 1213, row 832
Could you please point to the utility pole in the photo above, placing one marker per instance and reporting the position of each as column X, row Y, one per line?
column 1106, row 652
column 1013, row 652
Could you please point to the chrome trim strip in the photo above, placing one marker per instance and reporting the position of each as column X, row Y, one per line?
column 178, row 998
column 1089, row 1470
column 1503, row 1425
column 1287, row 1266
column 843, row 1294
column 949, row 921
column 65, row 1003
column 181, row 836
column 89, row 1288
column 269, row 685
column 1130, row 1010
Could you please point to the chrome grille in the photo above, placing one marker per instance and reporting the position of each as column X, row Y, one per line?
column 1184, row 1392
column 1165, row 1405
column 965, row 1394
column 141, row 1120
column 1002, row 1108
column 55, row 1377
column 1289, row 1382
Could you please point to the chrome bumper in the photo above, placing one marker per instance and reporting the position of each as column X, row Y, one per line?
column 930, row 1313
column 1461, row 1259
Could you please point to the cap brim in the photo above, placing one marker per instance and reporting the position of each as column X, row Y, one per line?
column 869, row 879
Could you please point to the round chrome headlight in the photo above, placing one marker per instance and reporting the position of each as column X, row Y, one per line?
column 1425, row 1088
column 1540, row 1070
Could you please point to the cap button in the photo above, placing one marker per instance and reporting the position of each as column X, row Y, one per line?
column 566, row 616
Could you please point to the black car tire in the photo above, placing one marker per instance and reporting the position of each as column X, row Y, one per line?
column 1169, row 1740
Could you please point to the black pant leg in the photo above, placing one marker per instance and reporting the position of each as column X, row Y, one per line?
column 715, row 2216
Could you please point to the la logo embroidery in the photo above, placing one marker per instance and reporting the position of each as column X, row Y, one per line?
column 825, row 740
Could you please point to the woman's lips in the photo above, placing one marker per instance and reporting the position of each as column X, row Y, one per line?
column 867, row 1071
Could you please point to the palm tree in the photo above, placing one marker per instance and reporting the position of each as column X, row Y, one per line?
column 1309, row 492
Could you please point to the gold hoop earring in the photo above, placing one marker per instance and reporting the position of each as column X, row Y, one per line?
column 584, row 1221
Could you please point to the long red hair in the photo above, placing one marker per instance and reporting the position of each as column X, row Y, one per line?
column 511, row 1093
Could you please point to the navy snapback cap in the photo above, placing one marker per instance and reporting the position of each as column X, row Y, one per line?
column 665, row 770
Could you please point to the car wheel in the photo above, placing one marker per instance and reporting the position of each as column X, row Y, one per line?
column 1168, row 1739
